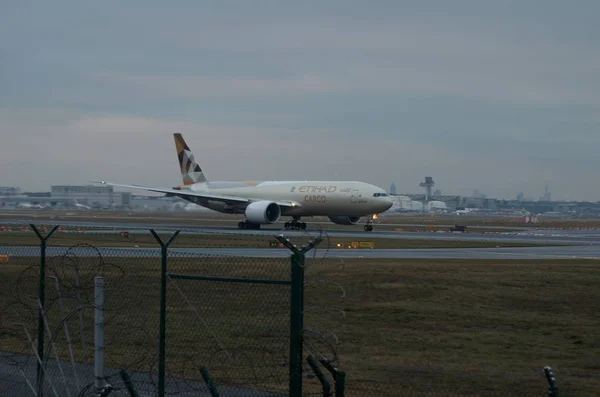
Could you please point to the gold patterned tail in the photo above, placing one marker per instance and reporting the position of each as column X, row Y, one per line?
column 190, row 170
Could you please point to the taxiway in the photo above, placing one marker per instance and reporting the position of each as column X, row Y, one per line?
column 565, row 252
column 571, row 244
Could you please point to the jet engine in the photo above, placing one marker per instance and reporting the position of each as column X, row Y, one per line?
column 344, row 220
column 263, row 211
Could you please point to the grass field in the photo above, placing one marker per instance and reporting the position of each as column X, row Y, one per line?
column 234, row 240
column 405, row 327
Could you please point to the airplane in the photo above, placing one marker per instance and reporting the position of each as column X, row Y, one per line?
column 343, row 202
column 31, row 206
column 79, row 206
column 465, row 211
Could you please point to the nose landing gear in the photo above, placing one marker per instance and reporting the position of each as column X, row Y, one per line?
column 369, row 226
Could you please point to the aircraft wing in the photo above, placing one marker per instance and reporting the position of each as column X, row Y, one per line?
column 197, row 197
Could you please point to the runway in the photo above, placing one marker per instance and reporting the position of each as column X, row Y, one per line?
column 568, row 244
column 565, row 252
column 18, row 215
column 574, row 237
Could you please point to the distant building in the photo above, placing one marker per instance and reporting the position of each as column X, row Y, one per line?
column 479, row 202
column 9, row 191
column 37, row 194
column 90, row 195
column 393, row 188
column 547, row 195
column 451, row 202
column 428, row 184
column 80, row 189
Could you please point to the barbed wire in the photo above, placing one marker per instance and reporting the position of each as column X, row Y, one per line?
column 321, row 322
column 261, row 363
column 67, row 298
column 70, row 297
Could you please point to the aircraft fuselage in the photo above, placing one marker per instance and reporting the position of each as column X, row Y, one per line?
column 314, row 198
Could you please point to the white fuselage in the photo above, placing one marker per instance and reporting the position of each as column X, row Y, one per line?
column 314, row 198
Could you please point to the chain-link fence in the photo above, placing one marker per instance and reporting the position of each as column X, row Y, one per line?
column 175, row 321
column 54, row 349
column 224, row 314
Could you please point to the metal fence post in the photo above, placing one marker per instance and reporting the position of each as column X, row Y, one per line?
column 99, row 379
column 296, row 324
column 297, row 312
column 128, row 383
column 551, row 378
column 214, row 392
column 163, row 310
column 338, row 376
column 324, row 383
column 42, row 298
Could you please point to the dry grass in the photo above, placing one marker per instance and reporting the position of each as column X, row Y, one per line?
column 471, row 325
column 405, row 327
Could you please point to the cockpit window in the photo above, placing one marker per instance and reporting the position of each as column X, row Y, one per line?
column 379, row 194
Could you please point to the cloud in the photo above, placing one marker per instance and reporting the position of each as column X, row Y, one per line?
column 140, row 150
column 58, row 146
column 211, row 87
column 487, row 96
column 404, row 58
column 226, row 51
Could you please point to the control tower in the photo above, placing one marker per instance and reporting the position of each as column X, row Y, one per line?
column 428, row 185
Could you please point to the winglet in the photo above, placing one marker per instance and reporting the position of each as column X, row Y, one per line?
column 190, row 170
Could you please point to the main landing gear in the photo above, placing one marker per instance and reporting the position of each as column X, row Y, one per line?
column 369, row 226
column 248, row 225
column 295, row 225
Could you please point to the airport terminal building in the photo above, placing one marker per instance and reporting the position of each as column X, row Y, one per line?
column 100, row 197
column 90, row 197
column 66, row 196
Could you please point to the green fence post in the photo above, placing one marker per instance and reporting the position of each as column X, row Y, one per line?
column 296, row 324
column 324, row 383
column 340, row 384
column 214, row 392
column 338, row 376
column 296, row 312
column 128, row 383
column 42, row 297
column 163, row 310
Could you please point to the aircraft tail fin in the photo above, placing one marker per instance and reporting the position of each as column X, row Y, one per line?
column 190, row 170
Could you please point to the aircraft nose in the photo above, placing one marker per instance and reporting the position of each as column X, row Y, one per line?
column 387, row 203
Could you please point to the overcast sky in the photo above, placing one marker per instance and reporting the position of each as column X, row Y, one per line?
column 499, row 96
